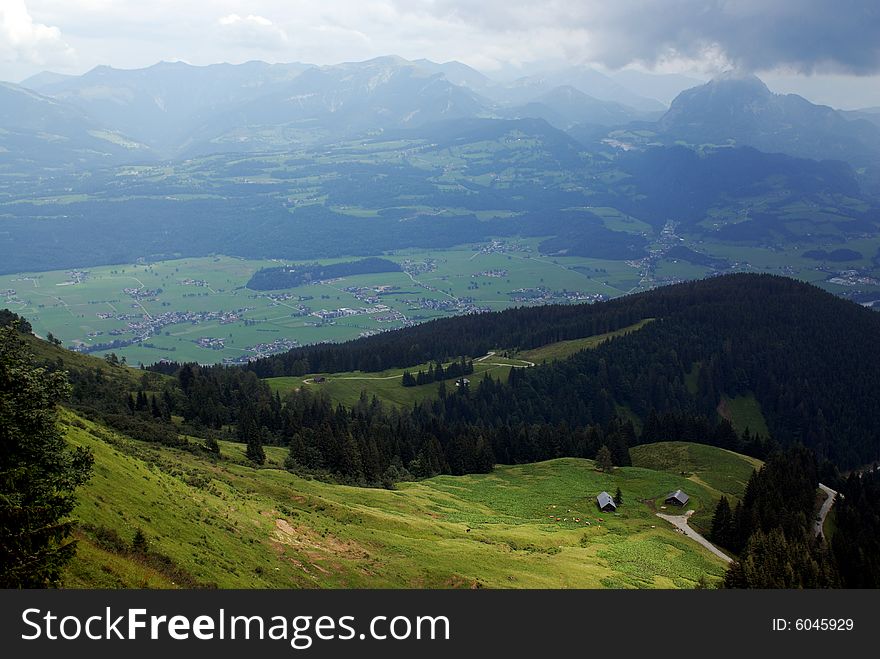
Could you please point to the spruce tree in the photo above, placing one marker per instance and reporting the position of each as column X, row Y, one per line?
column 254, row 451
column 139, row 544
column 250, row 433
column 38, row 471
column 722, row 524
column 603, row 459
column 212, row 446
column 618, row 497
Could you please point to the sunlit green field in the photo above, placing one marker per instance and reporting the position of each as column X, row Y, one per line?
column 226, row 523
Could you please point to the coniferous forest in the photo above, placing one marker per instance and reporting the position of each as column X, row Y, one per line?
column 809, row 359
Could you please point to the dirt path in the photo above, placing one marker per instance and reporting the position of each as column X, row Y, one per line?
column 517, row 359
column 681, row 523
column 819, row 524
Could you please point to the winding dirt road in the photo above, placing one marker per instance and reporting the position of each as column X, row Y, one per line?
column 819, row 524
column 681, row 523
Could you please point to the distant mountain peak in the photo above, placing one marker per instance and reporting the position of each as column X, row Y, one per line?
column 740, row 80
column 738, row 108
column 386, row 60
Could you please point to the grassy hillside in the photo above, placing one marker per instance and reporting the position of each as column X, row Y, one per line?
column 563, row 349
column 744, row 412
column 227, row 524
column 46, row 353
column 346, row 387
column 721, row 472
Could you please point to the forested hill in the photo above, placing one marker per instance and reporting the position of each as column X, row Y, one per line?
column 811, row 360
column 269, row 279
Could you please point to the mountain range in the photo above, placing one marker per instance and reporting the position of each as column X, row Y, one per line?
column 439, row 152
column 43, row 132
column 172, row 110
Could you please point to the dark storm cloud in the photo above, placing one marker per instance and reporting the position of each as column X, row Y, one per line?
column 806, row 35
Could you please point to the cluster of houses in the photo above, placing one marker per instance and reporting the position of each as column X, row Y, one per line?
column 503, row 247
column 144, row 326
column 543, row 295
column 462, row 305
column 142, row 294
column 606, row 502
column 77, row 276
column 260, row 350
column 497, row 274
column 210, row 342
column 418, row 267
column 283, row 297
column 343, row 312
column 370, row 294
column 852, row 278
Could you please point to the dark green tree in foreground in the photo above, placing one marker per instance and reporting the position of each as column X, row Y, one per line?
column 604, row 461
column 140, row 544
column 250, row 432
column 722, row 524
column 618, row 497
column 255, row 452
column 38, row 472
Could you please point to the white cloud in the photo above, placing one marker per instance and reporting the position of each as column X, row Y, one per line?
column 252, row 31
column 23, row 40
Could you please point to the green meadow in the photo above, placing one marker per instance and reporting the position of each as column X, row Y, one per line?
column 721, row 472
column 346, row 387
column 221, row 522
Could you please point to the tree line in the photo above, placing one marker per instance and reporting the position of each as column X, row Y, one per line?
column 436, row 373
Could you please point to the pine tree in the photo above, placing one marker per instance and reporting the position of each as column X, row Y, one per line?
column 38, row 472
column 603, row 459
column 254, row 451
column 722, row 524
column 618, row 496
column 251, row 434
column 212, row 446
column 139, row 544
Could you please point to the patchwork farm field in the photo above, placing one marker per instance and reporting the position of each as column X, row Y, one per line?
column 221, row 522
column 199, row 309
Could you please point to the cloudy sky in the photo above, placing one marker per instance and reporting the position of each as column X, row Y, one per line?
column 828, row 50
